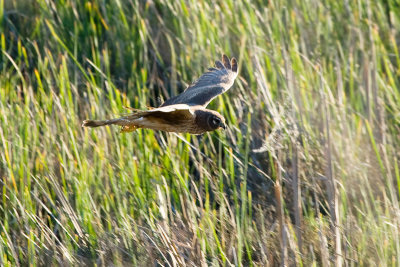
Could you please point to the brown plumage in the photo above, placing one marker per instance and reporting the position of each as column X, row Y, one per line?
column 184, row 113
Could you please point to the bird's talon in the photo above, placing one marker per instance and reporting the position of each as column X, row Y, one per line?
column 128, row 128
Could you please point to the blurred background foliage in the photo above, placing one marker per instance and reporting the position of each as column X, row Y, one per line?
column 307, row 173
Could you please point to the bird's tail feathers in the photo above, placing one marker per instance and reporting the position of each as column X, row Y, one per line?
column 97, row 123
column 127, row 125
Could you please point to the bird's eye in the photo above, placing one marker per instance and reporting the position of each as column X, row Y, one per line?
column 216, row 121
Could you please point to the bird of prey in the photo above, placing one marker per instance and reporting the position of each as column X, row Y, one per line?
column 184, row 113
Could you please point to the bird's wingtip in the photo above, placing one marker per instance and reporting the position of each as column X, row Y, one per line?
column 234, row 64
column 226, row 62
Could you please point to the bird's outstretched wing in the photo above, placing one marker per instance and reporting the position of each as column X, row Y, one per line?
column 211, row 84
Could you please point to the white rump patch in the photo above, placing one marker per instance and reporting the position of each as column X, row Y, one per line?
column 172, row 108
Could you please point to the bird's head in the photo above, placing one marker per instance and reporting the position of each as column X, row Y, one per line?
column 210, row 120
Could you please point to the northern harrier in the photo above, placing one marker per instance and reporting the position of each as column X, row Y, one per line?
column 184, row 113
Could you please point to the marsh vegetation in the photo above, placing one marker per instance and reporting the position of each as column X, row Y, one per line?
column 307, row 172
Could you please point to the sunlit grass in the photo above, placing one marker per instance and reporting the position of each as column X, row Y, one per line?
column 307, row 173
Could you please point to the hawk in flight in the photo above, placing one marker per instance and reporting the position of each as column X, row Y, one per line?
column 184, row 113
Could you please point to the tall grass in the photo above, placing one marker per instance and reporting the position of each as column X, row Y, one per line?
column 306, row 174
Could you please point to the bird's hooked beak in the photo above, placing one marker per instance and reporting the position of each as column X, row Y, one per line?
column 223, row 126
